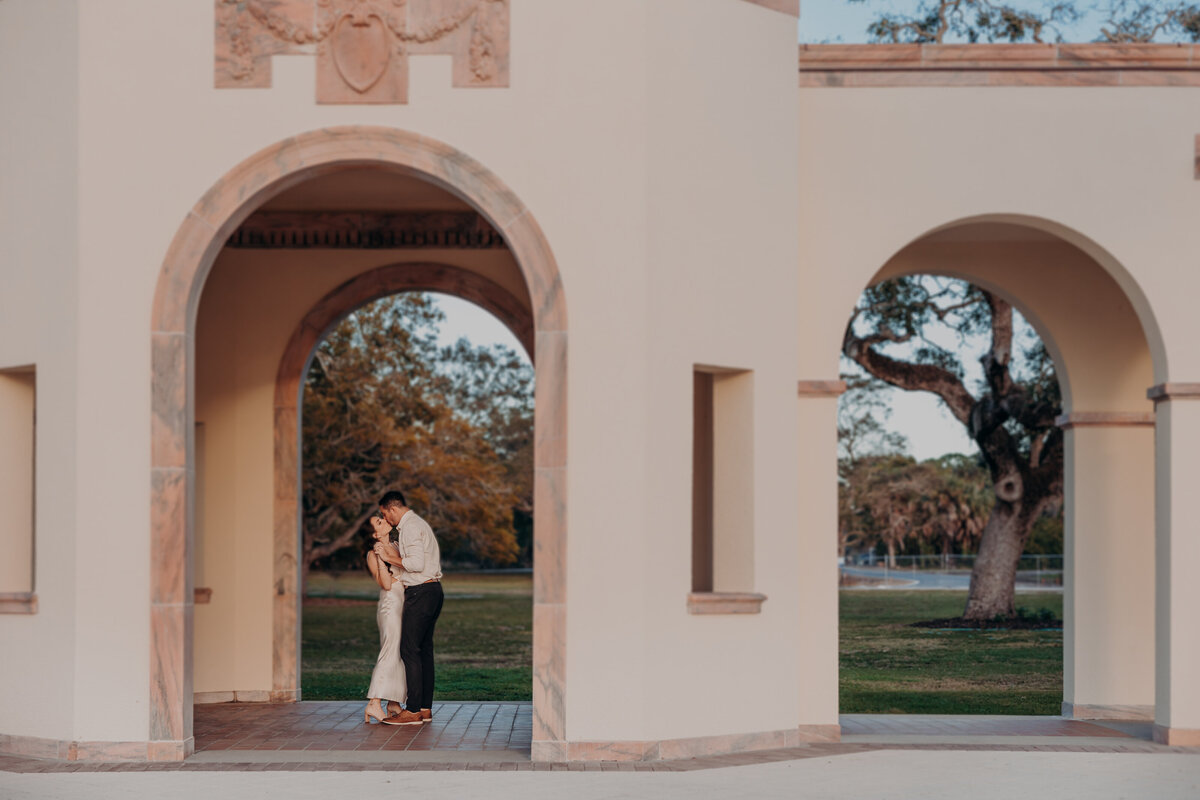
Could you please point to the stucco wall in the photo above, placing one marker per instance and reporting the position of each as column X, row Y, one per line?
column 1109, row 169
column 38, row 307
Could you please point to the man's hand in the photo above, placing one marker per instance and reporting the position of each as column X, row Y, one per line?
column 388, row 553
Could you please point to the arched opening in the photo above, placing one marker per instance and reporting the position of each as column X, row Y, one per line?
column 1106, row 354
column 384, row 202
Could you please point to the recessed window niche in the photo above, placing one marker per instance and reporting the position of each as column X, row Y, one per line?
column 723, row 492
column 17, row 452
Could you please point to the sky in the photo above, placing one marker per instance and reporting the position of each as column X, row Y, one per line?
column 826, row 21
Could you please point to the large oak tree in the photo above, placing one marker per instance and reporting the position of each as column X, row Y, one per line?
column 1010, row 415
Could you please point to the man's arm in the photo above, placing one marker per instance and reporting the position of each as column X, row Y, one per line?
column 412, row 549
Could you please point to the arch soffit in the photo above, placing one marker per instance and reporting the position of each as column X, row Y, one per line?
column 387, row 280
column 1103, row 258
column 1067, row 236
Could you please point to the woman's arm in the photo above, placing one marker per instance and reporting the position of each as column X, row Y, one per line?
column 388, row 552
column 381, row 575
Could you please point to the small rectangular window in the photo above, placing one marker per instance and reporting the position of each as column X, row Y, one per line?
column 18, row 391
column 722, row 481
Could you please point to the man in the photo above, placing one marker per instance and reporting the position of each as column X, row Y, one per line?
column 420, row 561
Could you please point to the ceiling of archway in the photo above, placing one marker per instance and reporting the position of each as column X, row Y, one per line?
column 365, row 189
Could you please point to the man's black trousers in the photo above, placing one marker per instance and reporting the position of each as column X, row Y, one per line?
column 422, row 606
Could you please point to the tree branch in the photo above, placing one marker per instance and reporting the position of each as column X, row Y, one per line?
column 913, row 377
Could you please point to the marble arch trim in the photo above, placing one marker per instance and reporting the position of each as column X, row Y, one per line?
column 361, row 289
column 190, row 256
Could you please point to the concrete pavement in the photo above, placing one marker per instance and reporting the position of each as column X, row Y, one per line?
column 929, row 775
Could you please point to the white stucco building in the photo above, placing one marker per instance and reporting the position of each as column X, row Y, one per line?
column 676, row 214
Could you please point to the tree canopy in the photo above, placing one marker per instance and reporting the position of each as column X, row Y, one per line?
column 385, row 406
column 941, row 21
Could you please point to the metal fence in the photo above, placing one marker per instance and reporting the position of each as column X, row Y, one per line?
column 1037, row 570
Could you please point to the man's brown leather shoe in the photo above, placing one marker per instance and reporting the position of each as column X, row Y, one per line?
column 404, row 718
column 426, row 715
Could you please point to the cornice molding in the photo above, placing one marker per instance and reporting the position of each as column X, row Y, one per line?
column 821, row 388
column 789, row 7
column 1105, row 419
column 365, row 230
column 1173, row 391
column 725, row 602
column 1080, row 65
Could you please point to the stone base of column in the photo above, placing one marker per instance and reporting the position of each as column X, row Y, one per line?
column 1177, row 737
column 247, row 696
column 669, row 749
column 66, row 750
column 1139, row 713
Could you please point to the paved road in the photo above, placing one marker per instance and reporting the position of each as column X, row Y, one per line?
column 910, row 579
column 893, row 774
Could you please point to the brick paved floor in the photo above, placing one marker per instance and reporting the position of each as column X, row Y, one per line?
column 339, row 726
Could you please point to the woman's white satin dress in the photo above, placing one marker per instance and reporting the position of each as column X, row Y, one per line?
column 387, row 681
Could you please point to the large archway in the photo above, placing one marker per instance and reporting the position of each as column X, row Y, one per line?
column 359, row 290
column 1107, row 351
column 192, row 253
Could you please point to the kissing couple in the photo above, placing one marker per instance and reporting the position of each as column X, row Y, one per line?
column 406, row 562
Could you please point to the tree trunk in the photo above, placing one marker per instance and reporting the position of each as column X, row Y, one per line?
column 891, row 554
column 993, row 579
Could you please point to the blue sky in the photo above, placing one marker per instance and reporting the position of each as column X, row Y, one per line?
column 843, row 21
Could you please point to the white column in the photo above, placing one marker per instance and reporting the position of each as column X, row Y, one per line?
column 817, row 572
column 1108, row 604
column 1177, row 599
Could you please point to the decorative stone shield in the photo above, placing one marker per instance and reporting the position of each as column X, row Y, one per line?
column 361, row 47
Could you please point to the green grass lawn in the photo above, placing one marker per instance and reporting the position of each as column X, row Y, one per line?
column 483, row 641
column 890, row 668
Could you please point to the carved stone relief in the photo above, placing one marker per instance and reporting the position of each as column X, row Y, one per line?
column 362, row 46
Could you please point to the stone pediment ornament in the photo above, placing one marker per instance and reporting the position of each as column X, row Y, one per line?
column 362, row 46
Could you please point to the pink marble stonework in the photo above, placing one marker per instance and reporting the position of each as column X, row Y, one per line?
column 362, row 46
column 539, row 321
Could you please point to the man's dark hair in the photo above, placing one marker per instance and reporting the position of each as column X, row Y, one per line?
column 393, row 498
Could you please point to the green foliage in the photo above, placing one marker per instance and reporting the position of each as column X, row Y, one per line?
column 933, row 21
column 888, row 667
column 1142, row 21
column 1123, row 21
column 939, row 505
column 384, row 407
column 1046, row 538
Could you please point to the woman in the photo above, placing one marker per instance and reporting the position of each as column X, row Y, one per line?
column 387, row 680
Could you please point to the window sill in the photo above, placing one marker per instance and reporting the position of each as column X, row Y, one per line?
column 18, row 603
column 725, row 602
